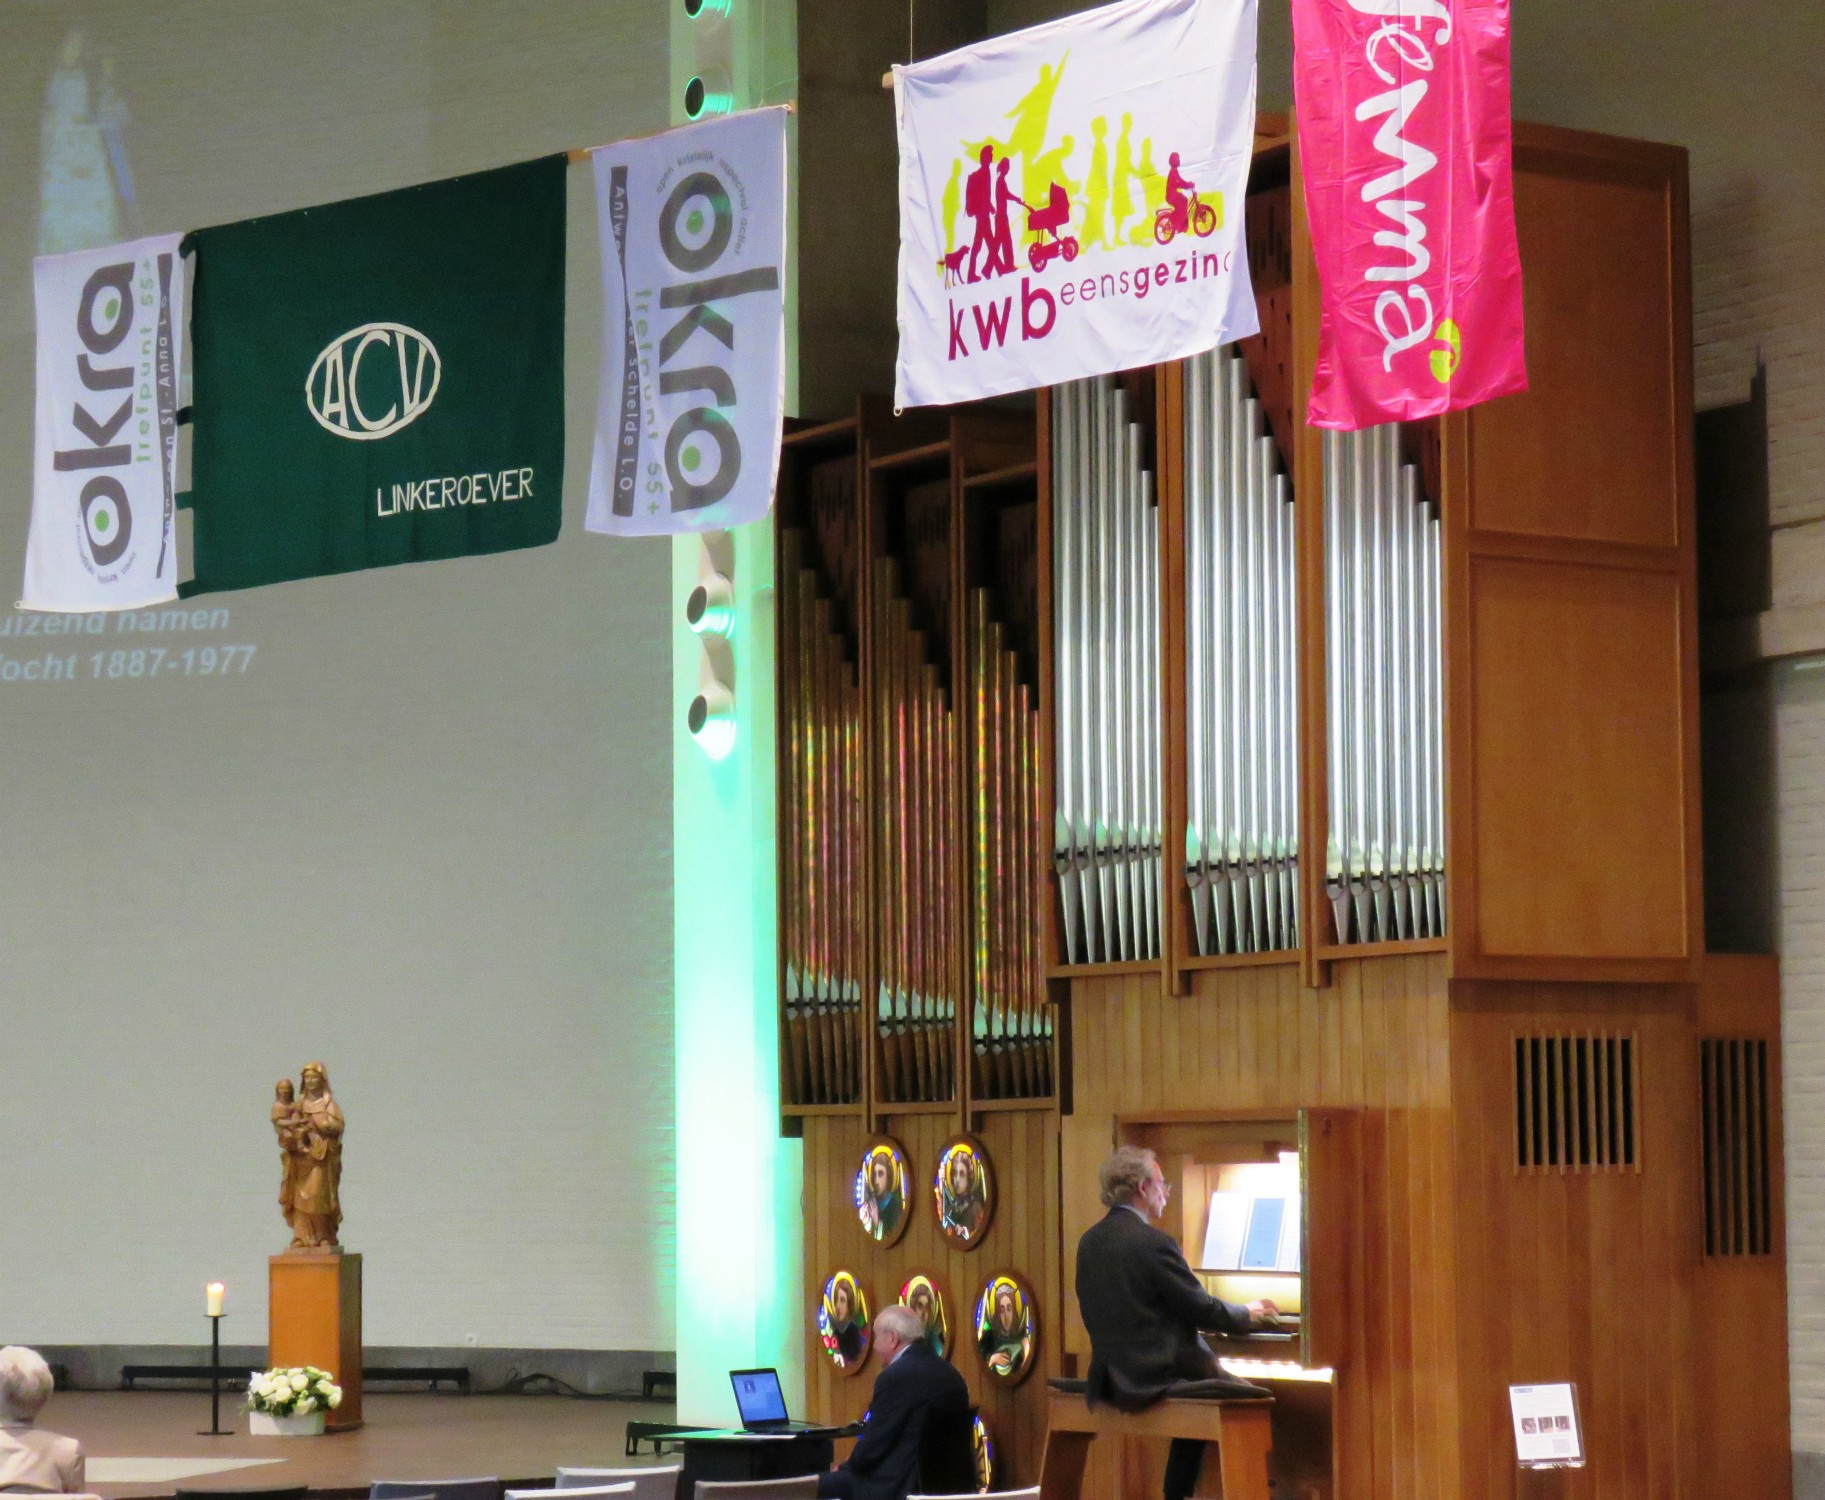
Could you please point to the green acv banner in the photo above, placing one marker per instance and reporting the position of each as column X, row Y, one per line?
column 380, row 381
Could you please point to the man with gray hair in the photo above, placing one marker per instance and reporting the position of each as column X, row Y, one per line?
column 1146, row 1311
column 32, row 1461
column 915, row 1384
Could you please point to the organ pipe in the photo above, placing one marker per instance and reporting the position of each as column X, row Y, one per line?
column 915, row 826
column 821, row 819
column 1242, row 834
column 1010, row 1025
column 1385, row 848
column 1108, row 820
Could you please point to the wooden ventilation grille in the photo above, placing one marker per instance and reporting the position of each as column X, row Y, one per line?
column 1577, row 1104
column 1733, row 1075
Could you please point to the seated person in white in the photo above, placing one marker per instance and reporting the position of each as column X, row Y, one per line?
column 32, row 1461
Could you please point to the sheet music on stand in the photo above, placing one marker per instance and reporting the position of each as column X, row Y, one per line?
column 1547, row 1433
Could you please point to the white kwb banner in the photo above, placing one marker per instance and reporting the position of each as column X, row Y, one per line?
column 1071, row 198
column 694, row 331
column 110, row 345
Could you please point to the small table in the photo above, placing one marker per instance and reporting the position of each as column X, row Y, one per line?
column 1241, row 1430
column 751, row 1455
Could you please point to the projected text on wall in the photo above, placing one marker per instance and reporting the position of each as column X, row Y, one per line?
column 147, row 645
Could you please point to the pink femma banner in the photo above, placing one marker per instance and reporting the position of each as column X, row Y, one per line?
column 1405, row 145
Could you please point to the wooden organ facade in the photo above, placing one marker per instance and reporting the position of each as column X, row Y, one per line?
column 1156, row 768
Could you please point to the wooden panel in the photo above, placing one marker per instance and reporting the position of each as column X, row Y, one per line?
column 1307, row 467
column 1578, row 741
column 1084, row 1141
column 1744, row 1441
column 314, row 1318
column 1592, row 448
column 1581, row 1275
column 1333, row 1168
column 1023, row 1151
column 1572, row 749
column 1257, row 1039
column 1176, row 921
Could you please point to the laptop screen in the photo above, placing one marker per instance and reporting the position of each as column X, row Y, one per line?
column 758, row 1396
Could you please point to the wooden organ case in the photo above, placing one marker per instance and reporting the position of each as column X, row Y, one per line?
column 914, row 995
column 1157, row 768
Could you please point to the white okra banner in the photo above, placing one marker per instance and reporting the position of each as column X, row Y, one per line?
column 110, row 346
column 694, row 332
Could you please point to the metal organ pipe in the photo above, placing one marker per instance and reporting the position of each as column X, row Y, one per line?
column 1384, row 853
column 1010, row 1031
column 1107, row 825
column 1242, row 844
column 1088, row 589
column 1068, row 602
column 821, row 810
column 1385, row 846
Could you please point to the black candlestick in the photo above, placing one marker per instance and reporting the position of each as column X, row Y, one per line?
column 215, row 1379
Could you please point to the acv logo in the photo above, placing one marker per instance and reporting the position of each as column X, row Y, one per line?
column 394, row 387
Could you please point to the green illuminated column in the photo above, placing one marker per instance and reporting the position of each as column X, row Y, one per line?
column 740, row 1220
column 740, row 1245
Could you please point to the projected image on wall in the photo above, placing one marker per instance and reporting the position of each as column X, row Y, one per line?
column 85, row 193
column 418, row 818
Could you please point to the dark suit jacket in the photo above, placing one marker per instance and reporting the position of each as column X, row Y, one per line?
column 1143, row 1308
column 885, row 1463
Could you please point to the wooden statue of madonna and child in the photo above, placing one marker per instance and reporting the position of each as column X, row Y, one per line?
column 315, row 1311
column 309, row 1126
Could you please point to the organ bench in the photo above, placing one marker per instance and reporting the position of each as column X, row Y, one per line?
column 1240, row 1432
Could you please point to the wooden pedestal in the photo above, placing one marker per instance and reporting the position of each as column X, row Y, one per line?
column 1241, row 1432
column 314, row 1318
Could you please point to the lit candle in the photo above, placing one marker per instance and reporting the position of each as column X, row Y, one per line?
column 214, row 1291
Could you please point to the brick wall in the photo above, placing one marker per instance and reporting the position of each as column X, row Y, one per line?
column 1758, row 251
column 1800, row 810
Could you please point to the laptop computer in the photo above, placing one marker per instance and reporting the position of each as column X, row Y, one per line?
column 762, row 1404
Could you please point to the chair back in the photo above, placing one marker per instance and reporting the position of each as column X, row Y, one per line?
column 273, row 1492
column 759, row 1489
column 596, row 1492
column 649, row 1484
column 947, row 1451
column 488, row 1488
column 1032, row 1494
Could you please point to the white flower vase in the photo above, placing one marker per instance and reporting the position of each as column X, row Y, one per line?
column 265, row 1424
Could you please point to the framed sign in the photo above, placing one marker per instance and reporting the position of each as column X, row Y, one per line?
column 1547, row 1434
column 924, row 1296
column 880, row 1190
column 845, row 1328
column 964, row 1191
column 1007, row 1329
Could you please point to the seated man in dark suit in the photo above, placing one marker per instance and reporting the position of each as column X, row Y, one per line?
column 1146, row 1311
column 913, row 1381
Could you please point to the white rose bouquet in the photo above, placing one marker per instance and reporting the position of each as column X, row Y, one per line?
column 293, row 1392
